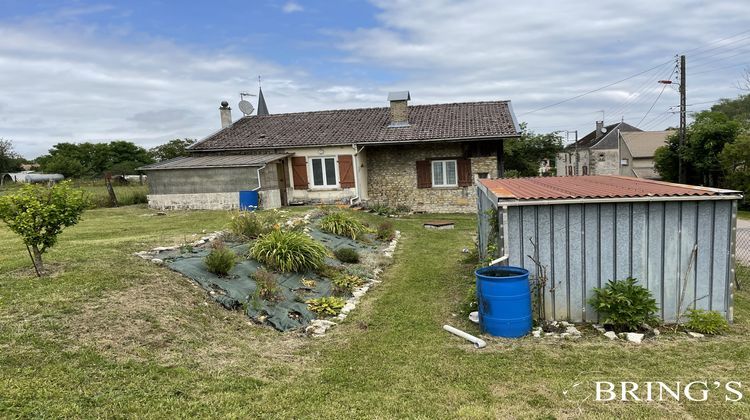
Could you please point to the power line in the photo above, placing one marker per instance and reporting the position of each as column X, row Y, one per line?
column 718, row 68
column 655, row 101
column 715, row 41
column 593, row 90
column 637, row 96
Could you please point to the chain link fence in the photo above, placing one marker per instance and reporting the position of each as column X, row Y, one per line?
column 742, row 254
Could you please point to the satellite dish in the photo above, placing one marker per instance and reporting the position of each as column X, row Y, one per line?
column 604, row 129
column 246, row 107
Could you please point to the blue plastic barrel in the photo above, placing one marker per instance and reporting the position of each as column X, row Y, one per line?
column 504, row 301
column 248, row 200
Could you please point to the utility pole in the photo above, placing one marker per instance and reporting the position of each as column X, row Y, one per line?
column 683, row 120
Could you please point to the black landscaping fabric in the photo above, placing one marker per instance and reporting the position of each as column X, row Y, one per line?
column 237, row 290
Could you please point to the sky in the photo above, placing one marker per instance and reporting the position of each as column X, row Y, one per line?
column 150, row 71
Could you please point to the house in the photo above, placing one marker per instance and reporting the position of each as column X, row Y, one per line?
column 616, row 149
column 637, row 149
column 424, row 157
column 676, row 240
column 597, row 153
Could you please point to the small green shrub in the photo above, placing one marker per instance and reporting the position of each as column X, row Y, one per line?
column 266, row 285
column 706, row 322
column 342, row 224
column 345, row 283
column 625, row 305
column 471, row 301
column 251, row 224
column 288, row 251
column 347, row 255
column 385, row 231
column 220, row 260
column 326, row 306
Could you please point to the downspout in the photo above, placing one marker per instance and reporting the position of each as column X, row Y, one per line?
column 259, row 184
column 505, row 238
column 355, row 162
column 478, row 342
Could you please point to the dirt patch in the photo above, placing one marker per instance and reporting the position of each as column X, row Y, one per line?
column 169, row 320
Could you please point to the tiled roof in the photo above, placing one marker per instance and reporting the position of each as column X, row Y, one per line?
column 214, row 162
column 366, row 126
column 591, row 187
column 607, row 141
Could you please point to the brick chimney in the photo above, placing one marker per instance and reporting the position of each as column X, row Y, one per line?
column 226, row 114
column 399, row 108
column 599, row 129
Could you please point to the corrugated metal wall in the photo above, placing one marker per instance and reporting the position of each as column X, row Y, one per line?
column 585, row 245
column 202, row 180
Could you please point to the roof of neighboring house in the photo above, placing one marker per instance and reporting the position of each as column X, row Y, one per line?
column 591, row 187
column 607, row 141
column 643, row 144
column 469, row 120
column 214, row 162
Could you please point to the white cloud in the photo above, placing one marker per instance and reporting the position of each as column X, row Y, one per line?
column 292, row 7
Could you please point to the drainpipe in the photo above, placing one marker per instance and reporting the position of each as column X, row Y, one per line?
column 505, row 238
column 355, row 162
column 259, row 184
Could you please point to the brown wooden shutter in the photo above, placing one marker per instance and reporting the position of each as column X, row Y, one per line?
column 346, row 171
column 464, row 172
column 299, row 172
column 424, row 174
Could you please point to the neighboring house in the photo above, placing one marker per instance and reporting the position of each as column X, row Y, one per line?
column 637, row 152
column 597, row 153
column 424, row 157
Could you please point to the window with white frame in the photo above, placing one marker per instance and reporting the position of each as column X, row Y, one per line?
column 444, row 173
column 323, row 171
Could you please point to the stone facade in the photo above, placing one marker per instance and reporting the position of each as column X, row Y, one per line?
column 392, row 178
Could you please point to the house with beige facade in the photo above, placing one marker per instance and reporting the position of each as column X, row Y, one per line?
column 615, row 149
column 424, row 157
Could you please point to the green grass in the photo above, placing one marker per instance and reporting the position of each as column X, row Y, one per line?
column 126, row 194
column 110, row 335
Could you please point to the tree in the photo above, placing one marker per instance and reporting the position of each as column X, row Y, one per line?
column 524, row 155
column 735, row 161
column 65, row 165
column 94, row 159
column 171, row 149
column 10, row 161
column 39, row 214
column 737, row 109
column 705, row 138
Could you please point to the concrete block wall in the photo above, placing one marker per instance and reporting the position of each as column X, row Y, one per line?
column 200, row 201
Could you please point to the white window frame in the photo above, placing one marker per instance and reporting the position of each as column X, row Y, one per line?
column 311, row 176
column 445, row 173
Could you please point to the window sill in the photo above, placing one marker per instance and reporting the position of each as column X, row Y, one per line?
column 324, row 189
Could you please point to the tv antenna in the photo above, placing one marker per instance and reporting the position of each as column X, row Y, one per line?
column 245, row 106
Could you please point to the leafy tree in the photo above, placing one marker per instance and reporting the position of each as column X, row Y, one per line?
column 735, row 161
column 172, row 149
column 65, row 165
column 94, row 159
column 39, row 214
column 10, row 161
column 705, row 138
column 523, row 156
column 737, row 109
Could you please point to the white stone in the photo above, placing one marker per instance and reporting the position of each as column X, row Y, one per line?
column 474, row 317
column 656, row 332
column 565, row 335
column 572, row 331
column 599, row 328
column 695, row 334
column 611, row 335
column 549, row 334
column 634, row 337
column 565, row 324
column 157, row 261
column 537, row 333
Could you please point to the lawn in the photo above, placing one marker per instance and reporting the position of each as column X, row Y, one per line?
column 110, row 335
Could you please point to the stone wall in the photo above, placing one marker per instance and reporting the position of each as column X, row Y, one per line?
column 605, row 162
column 392, row 175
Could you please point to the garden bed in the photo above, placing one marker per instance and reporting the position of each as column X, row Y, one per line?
column 288, row 307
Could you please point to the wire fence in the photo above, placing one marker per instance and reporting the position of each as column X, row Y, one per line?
column 742, row 256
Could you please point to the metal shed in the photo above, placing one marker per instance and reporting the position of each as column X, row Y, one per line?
column 677, row 240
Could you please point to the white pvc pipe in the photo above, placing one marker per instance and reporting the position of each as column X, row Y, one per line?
column 478, row 342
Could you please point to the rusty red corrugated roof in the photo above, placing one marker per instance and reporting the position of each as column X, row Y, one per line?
column 591, row 186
